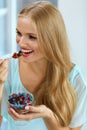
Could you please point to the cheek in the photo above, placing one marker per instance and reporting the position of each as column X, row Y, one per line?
column 38, row 51
column 36, row 47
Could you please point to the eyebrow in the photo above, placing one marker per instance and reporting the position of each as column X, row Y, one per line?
column 28, row 33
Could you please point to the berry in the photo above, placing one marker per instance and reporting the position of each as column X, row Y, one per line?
column 20, row 100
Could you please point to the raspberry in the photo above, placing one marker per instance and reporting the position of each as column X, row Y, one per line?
column 20, row 101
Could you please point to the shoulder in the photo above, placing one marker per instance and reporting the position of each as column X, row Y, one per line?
column 79, row 84
column 77, row 79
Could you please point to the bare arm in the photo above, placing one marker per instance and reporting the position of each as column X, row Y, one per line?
column 52, row 124
column 3, row 76
column 1, row 90
column 0, row 120
column 41, row 111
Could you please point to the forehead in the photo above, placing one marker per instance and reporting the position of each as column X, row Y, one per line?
column 26, row 24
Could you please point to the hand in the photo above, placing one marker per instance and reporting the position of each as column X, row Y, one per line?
column 40, row 111
column 3, row 70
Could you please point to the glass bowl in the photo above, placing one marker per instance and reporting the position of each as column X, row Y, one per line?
column 19, row 101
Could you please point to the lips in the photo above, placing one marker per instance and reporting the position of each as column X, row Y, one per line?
column 26, row 52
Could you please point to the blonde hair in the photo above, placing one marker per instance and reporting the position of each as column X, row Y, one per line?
column 56, row 92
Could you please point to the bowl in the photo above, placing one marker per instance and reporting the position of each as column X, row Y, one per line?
column 19, row 101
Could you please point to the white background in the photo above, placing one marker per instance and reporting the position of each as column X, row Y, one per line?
column 74, row 13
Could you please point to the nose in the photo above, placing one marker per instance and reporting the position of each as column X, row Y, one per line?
column 22, row 40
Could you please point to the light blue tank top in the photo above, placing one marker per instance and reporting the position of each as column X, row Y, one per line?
column 14, row 85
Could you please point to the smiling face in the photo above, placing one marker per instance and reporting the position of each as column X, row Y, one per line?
column 27, row 39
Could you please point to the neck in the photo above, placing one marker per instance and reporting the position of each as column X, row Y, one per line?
column 32, row 74
column 36, row 67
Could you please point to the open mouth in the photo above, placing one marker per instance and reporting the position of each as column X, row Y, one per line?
column 26, row 52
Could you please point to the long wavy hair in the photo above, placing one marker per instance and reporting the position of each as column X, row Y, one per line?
column 56, row 91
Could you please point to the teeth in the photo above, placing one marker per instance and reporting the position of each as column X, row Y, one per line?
column 26, row 51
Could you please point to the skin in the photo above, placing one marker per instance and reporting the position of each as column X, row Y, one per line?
column 3, row 70
column 32, row 65
column 27, row 38
column 35, row 62
column 3, row 76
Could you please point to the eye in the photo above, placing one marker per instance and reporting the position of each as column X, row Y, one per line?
column 18, row 33
column 32, row 37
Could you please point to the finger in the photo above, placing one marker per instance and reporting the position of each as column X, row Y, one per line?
column 1, row 61
column 3, row 71
column 4, row 65
column 5, row 62
column 37, row 109
column 28, row 116
column 18, row 116
column 12, row 115
column 3, row 75
column 41, row 111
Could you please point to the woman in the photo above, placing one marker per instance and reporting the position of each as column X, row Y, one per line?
column 46, row 72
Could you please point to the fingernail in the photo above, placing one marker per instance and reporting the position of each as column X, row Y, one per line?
column 0, row 58
column 26, row 107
